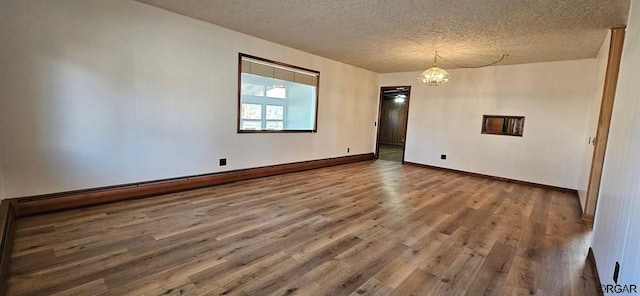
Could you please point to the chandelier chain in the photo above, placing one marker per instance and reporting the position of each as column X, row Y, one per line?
column 502, row 56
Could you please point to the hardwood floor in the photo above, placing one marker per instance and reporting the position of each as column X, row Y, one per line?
column 390, row 152
column 369, row 228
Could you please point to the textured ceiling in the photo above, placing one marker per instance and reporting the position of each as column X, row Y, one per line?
column 397, row 36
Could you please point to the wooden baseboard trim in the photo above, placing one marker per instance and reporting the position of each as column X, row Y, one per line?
column 6, row 242
column 587, row 218
column 591, row 258
column 68, row 200
column 573, row 191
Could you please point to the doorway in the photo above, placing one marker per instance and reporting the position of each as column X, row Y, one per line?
column 392, row 119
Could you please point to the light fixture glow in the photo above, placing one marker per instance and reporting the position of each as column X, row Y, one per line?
column 400, row 99
column 434, row 76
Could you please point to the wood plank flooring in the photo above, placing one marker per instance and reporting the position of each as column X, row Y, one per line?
column 390, row 152
column 369, row 228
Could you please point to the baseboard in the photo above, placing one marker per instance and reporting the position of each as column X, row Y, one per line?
column 6, row 243
column 587, row 218
column 592, row 261
column 68, row 200
column 573, row 191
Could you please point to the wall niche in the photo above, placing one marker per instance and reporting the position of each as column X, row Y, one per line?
column 503, row 125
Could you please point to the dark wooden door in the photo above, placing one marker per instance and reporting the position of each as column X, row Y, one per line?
column 393, row 122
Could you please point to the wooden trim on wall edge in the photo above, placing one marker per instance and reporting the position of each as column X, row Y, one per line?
column 32, row 205
column 614, row 61
column 550, row 187
column 591, row 258
column 6, row 242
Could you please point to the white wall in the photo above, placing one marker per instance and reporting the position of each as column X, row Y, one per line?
column 96, row 93
column 616, row 233
column 592, row 120
column 554, row 98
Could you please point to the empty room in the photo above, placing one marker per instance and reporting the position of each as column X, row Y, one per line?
column 283, row 147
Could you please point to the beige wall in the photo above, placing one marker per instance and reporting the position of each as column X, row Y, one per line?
column 2, row 194
column 553, row 97
column 616, row 231
column 97, row 93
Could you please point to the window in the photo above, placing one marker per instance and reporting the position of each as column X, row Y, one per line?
column 251, row 116
column 276, row 97
column 503, row 125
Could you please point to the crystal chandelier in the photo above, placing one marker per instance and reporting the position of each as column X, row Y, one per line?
column 434, row 76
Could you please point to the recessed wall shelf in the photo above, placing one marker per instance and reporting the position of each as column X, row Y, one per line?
column 503, row 125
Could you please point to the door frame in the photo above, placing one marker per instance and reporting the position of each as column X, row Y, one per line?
column 604, row 122
column 406, row 123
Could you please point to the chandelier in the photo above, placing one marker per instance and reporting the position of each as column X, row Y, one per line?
column 434, row 76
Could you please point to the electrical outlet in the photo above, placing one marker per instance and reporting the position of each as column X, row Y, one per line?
column 616, row 272
column 223, row 161
column 348, row 149
column 443, row 156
